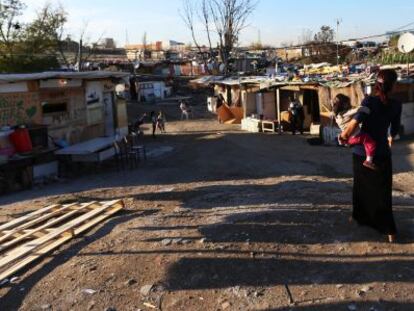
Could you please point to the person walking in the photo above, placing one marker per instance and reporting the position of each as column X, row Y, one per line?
column 372, row 189
column 161, row 122
column 297, row 116
column 153, row 117
column 184, row 110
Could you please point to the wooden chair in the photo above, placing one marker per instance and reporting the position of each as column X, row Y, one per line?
column 123, row 156
column 140, row 149
column 133, row 154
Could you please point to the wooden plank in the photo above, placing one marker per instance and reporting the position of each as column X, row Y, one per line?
column 31, row 246
column 47, row 225
column 17, row 221
column 114, row 208
column 34, row 222
column 26, row 231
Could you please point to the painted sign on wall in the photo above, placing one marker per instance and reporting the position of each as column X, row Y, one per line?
column 19, row 108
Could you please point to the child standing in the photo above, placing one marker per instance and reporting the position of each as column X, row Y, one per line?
column 161, row 122
column 153, row 117
column 344, row 113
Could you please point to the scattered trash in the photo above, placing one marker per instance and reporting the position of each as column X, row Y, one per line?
column 146, row 289
column 45, row 307
column 147, row 304
column 339, row 286
column 259, row 293
column 291, row 301
column 89, row 291
column 177, row 241
column 203, row 240
column 225, row 305
column 14, row 280
column 166, row 242
column 165, row 190
column 366, row 288
column 352, row 307
column 131, row 282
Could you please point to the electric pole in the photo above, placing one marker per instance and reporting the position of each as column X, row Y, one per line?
column 80, row 55
column 338, row 22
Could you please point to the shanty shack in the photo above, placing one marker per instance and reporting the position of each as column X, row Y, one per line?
column 73, row 106
column 41, row 111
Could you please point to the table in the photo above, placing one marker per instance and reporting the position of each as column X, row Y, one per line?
column 88, row 147
column 94, row 150
column 269, row 126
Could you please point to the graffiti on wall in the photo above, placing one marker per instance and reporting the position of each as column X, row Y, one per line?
column 19, row 109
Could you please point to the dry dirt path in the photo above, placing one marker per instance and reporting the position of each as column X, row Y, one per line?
column 218, row 219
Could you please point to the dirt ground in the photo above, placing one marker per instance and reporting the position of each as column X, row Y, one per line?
column 219, row 219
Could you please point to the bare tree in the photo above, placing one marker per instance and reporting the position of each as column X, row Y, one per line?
column 224, row 18
column 230, row 18
column 189, row 17
column 306, row 36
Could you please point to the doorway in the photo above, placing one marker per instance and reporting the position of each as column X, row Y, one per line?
column 311, row 101
column 108, row 100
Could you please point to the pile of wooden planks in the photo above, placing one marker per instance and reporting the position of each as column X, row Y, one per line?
column 29, row 237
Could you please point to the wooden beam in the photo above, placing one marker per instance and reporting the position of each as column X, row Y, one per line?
column 35, row 221
column 106, row 210
column 17, row 221
column 52, row 223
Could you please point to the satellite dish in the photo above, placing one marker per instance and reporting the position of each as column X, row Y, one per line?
column 406, row 42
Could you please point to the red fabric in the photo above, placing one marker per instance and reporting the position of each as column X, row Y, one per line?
column 364, row 139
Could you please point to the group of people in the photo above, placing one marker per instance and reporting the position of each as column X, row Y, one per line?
column 157, row 121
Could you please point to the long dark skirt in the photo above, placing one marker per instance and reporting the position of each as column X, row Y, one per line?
column 372, row 195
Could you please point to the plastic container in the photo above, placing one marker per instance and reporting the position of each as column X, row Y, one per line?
column 21, row 140
column 6, row 147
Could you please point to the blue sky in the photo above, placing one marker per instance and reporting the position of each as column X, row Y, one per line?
column 278, row 21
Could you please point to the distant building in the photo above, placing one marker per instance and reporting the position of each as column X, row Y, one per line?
column 106, row 43
column 176, row 46
column 141, row 51
column 156, row 51
column 149, row 91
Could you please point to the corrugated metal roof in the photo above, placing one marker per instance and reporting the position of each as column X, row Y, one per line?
column 88, row 75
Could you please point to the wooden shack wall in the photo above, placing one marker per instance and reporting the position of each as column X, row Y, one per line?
column 355, row 92
column 20, row 108
column 269, row 105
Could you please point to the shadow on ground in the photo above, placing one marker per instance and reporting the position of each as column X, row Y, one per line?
column 14, row 298
column 361, row 306
column 224, row 156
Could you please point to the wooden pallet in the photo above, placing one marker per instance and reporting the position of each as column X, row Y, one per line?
column 25, row 239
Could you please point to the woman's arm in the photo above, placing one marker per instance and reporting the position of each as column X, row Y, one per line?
column 360, row 116
column 353, row 124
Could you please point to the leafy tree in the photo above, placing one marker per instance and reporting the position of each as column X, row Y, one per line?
column 30, row 47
